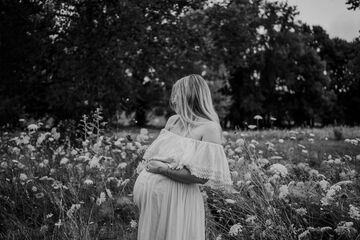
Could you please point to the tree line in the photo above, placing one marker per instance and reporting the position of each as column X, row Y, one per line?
column 63, row 58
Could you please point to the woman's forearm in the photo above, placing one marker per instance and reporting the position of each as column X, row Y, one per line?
column 182, row 175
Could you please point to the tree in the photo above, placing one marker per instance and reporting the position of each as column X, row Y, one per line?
column 24, row 27
column 121, row 54
column 229, row 33
column 353, row 4
column 273, row 70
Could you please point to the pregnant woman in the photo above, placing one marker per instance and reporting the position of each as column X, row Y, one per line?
column 187, row 152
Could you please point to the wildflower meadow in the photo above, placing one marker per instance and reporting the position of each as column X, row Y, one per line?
column 75, row 181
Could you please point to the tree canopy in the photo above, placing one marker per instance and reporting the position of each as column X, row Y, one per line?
column 63, row 58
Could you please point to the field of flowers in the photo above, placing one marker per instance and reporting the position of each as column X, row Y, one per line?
column 71, row 182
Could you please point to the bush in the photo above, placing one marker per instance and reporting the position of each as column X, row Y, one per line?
column 338, row 134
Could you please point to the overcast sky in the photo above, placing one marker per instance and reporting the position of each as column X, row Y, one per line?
column 332, row 15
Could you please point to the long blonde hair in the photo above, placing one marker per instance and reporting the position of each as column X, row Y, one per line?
column 191, row 99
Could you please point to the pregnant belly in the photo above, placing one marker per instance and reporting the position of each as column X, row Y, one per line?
column 148, row 183
column 155, row 186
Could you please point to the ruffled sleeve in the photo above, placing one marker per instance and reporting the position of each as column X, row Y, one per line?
column 164, row 147
column 209, row 162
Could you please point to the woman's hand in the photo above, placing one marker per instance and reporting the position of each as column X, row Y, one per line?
column 156, row 166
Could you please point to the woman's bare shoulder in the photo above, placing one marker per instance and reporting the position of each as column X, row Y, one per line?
column 170, row 121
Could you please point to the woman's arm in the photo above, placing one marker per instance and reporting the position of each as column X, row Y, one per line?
column 182, row 175
column 179, row 175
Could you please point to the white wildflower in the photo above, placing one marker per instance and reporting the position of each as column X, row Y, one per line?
column 301, row 211
column 55, row 134
column 239, row 183
column 344, row 228
column 231, row 201
column 235, row 230
column 330, row 195
column 4, row 165
column 247, row 176
column 252, row 126
column 31, row 148
column 88, row 182
column 281, row 140
column 94, row 162
column 234, row 174
column 262, row 162
column 251, row 219
column 57, row 185
column 33, row 127
column 41, row 138
column 130, row 146
column 133, row 224
column 238, row 149
column 251, row 146
column 118, row 142
column 230, row 152
column 283, row 191
column 325, row 229
column 354, row 212
column 280, row 169
column 64, row 161
column 101, row 199
column 122, row 165
column 337, row 161
column 39, row 195
column 23, row 177
column 144, row 131
column 324, row 184
column 313, row 173
column 240, row 142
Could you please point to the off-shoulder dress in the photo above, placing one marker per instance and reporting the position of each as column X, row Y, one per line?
column 171, row 210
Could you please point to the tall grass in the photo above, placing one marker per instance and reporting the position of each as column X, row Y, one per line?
column 299, row 184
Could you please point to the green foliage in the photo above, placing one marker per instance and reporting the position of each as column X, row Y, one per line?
column 72, row 56
column 64, row 58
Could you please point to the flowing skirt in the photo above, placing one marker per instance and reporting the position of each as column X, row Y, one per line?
column 169, row 210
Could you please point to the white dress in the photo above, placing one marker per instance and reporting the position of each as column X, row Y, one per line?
column 171, row 210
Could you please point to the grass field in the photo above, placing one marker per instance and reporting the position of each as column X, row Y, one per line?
column 288, row 184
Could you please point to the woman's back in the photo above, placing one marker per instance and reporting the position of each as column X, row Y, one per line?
column 204, row 130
